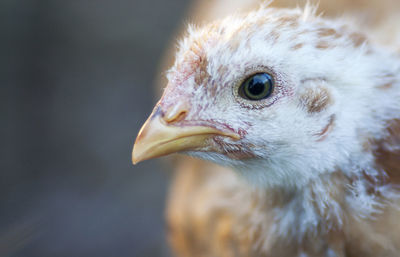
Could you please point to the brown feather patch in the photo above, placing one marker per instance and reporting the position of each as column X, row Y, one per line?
column 297, row 46
column 325, row 131
column 387, row 152
column 329, row 32
column 357, row 39
column 323, row 45
column 315, row 99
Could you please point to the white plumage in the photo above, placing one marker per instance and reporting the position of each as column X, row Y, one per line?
column 320, row 156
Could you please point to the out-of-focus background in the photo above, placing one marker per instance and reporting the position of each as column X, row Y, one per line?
column 78, row 79
column 77, row 82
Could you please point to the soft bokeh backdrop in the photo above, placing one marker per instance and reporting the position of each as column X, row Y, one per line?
column 77, row 82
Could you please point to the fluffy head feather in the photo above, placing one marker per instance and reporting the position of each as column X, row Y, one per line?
column 334, row 91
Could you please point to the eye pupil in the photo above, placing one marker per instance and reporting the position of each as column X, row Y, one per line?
column 257, row 87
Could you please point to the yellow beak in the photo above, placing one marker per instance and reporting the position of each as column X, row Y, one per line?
column 158, row 137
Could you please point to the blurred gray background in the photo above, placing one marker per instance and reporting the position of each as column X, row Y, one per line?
column 77, row 82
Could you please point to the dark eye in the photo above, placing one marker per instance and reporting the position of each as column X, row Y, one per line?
column 256, row 87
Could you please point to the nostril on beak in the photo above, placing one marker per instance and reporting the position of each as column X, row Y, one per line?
column 180, row 116
column 176, row 113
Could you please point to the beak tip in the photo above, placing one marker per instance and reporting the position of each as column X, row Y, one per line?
column 135, row 159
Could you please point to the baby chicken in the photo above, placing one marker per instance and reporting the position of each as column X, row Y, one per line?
column 304, row 114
